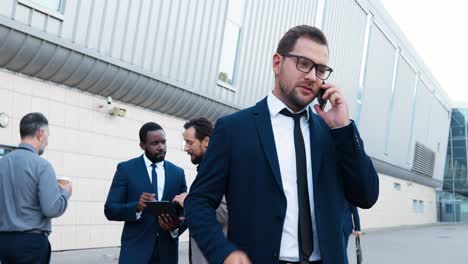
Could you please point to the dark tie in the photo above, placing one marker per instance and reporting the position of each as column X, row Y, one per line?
column 154, row 180
column 306, row 243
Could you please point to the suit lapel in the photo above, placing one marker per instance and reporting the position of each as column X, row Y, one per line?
column 143, row 176
column 265, row 134
column 167, row 180
column 316, row 148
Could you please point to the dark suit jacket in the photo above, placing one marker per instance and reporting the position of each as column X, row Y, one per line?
column 241, row 162
column 351, row 219
column 139, row 236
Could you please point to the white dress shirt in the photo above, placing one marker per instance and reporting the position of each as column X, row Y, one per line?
column 161, row 175
column 283, row 131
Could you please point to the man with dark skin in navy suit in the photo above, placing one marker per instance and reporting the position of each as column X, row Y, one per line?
column 148, row 177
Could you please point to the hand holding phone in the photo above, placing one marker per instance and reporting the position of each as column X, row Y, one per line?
column 322, row 102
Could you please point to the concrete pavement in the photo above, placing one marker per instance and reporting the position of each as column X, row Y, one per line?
column 434, row 244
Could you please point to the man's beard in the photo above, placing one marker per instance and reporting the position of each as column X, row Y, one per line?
column 154, row 158
column 196, row 159
column 292, row 97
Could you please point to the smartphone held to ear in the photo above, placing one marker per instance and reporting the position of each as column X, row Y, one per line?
column 322, row 102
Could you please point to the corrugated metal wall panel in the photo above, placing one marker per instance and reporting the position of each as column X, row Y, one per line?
column 247, row 95
column 205, row 74
column 345, row 26
column 168, row 48
column 95, row 22
column 245, row 65
column 157, row 63
column 422, row 113
column 69, row 22
column 106, row 27
column 119, row 28
column 81, row 26
column 400, row 126
column 141, row 39
column 377, row 92
column 131, row 31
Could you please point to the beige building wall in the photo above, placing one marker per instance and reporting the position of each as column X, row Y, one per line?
column 395, row 207
column 86, row 144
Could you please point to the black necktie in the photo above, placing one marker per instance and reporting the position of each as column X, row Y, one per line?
column 154, row 180
column 306, row 243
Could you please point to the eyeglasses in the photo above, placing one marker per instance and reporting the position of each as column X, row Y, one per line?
column 306, row 65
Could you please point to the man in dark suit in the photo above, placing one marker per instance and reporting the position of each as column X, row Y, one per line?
column 286, row 172
column 146, row 178
column 351, row 222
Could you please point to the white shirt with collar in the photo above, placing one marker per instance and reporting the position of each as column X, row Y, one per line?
column 161, row 175
column 283, row 131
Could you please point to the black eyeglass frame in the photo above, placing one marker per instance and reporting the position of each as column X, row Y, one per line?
column 314, row 65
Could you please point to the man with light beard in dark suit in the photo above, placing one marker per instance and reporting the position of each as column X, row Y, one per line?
column 197, row 136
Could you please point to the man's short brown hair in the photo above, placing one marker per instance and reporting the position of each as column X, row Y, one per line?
column 289, row 39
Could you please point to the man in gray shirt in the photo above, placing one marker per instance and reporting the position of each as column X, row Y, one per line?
column 29, row 196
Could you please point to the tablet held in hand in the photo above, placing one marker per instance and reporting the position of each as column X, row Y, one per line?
column 158, row 208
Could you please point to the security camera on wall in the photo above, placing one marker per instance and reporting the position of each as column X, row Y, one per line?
column 113, row 110
column 108, row 104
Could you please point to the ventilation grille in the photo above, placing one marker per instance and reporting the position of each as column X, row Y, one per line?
column 423, row 160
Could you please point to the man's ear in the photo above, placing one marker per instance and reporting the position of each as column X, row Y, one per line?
column 205, row 142
column 277, row 59
column 142, row 145
column 40, row 135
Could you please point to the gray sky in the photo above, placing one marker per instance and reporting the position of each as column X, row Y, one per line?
column 438, row 31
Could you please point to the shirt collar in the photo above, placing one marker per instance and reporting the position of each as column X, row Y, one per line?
column 149, row 162
column 27, row 146
column 275, row 106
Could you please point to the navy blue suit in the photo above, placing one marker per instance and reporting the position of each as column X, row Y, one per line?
column 351, row 221
column 241, row 162
column 139, row 236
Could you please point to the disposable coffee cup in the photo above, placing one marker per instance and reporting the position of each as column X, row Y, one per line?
column 63, row 180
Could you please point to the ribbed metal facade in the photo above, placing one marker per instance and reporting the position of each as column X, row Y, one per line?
column 344, row 26
column 165, row 55
column 377, row 91
column 399, row 139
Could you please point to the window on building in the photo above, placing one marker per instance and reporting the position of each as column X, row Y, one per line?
column 449, row 209
column 229, row 50
column 415, row 206
column 54, row 5
column 396, row 186
column 418, row 206
column 421, row 206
